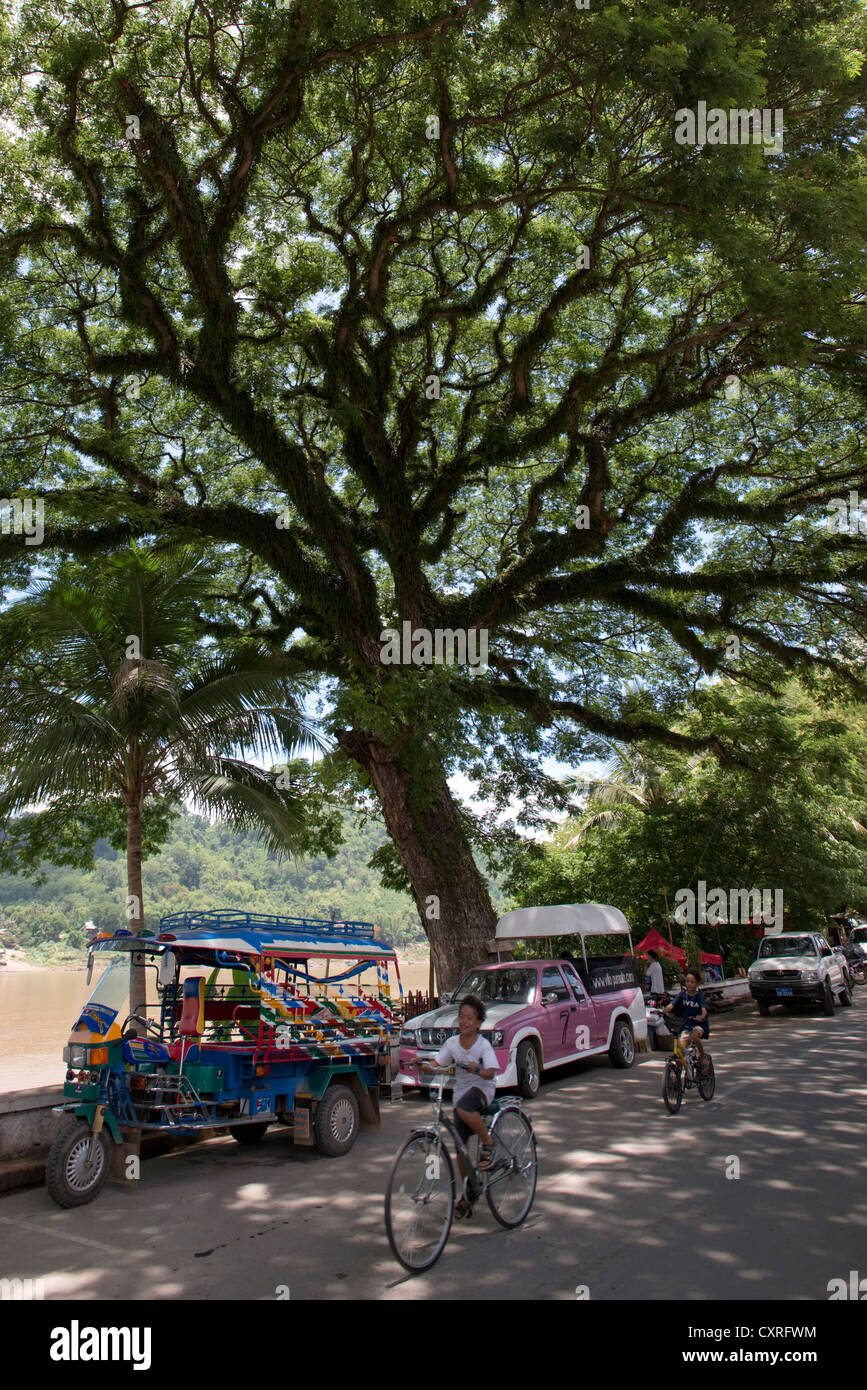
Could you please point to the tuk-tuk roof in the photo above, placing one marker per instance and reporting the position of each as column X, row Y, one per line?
column 239, row 933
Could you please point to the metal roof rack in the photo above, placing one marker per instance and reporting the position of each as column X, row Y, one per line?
column 233, row 920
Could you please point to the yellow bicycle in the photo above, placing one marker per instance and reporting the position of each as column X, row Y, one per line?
column 683, row 1070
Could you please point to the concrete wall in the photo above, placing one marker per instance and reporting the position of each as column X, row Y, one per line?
column 27, row 1125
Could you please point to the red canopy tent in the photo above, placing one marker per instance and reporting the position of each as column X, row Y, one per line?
column 654, row 942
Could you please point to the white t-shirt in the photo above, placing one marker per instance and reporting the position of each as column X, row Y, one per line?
column 482, row 1054
column 657, row 983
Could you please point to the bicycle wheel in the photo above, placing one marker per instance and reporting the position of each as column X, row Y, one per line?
column 672, row 1086
column 707, row 1084
column 511, row 1183
column 419, row 1201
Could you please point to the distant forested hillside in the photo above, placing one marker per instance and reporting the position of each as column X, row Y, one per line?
column 203, row 866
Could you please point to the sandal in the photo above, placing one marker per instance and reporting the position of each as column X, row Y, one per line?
column 462, row 1209
column 486, row 1157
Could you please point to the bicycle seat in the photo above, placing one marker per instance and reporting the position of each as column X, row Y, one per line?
column 492, row 1109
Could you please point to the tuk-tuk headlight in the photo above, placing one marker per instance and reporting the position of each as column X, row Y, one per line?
column 75, row 1056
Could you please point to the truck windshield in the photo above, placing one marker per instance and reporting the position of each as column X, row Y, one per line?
column 499, row 986
column 787, row 946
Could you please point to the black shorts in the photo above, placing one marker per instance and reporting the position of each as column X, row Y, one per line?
column 475, row 1101
column 705, row 1030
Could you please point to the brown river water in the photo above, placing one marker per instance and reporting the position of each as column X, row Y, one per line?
column 38, row 1008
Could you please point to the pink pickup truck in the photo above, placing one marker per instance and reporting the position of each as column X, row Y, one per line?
column 542, row 1013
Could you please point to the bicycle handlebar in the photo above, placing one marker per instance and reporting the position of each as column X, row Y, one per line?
column 440, row 1071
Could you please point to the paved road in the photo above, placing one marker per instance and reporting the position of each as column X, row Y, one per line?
column 632, row 1203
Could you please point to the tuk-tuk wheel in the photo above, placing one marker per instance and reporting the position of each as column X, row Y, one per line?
column 67, row 1176
column 335, row 1127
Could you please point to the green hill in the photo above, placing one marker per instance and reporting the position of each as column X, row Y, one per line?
column 202, row 866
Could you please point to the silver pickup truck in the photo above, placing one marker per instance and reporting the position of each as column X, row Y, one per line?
column 798, row 968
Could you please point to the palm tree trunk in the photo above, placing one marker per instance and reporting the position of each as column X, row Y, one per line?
column 135, row 900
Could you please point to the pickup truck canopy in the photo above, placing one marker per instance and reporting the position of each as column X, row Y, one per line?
column 567, row 919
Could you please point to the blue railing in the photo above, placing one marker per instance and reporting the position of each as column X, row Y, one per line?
column 232, row 919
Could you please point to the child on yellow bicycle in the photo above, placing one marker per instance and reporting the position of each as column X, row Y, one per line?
column 691, row 1006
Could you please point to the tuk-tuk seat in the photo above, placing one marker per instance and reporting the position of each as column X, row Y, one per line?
column 192, row 1020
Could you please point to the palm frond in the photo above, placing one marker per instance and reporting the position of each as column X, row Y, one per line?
column 247, row 798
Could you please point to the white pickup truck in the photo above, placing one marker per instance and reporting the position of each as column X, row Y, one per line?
column 797, row 968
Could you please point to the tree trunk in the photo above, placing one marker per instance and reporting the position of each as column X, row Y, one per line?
column 450, row 893
column 135, row 902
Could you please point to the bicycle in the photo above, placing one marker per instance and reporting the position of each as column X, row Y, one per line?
column 683, row 1070
column 421, row 1194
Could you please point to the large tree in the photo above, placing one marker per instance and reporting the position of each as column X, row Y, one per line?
column 430, row 318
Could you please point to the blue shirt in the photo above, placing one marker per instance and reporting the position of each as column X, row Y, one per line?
column 690, row 1008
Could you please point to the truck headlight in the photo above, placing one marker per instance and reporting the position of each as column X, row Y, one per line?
column 809, row 974
column 497, row 1039
column 408, row 1038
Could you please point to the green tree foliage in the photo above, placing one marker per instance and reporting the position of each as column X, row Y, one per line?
column 791, row 816
column 429, row 318
column 204, row 865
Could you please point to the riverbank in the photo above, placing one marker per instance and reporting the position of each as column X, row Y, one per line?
column 18, row 962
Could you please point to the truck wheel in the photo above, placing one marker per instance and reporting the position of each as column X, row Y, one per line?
column 846, row 998
column 68, row 1178
column 828, row 1001
column 527, row 1064
column 622, row 1050
column 248, row 1134
column 335, row 1128
column 764, row 1007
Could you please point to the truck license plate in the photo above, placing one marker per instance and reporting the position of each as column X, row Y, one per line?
column 784, row 991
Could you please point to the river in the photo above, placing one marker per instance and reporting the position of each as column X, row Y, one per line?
column 39, row 1006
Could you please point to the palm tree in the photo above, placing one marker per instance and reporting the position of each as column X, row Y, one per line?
column 114, row 695
column 628, row 780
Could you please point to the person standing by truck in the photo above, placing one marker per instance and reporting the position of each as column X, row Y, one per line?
column 653, row 977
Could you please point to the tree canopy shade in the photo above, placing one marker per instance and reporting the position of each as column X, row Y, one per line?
column 431, row 318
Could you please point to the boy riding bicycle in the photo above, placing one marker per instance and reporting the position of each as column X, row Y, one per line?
column 475, row 1064
column 690, row 1005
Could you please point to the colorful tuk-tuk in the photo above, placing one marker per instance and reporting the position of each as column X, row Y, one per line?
column 250, row 1020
